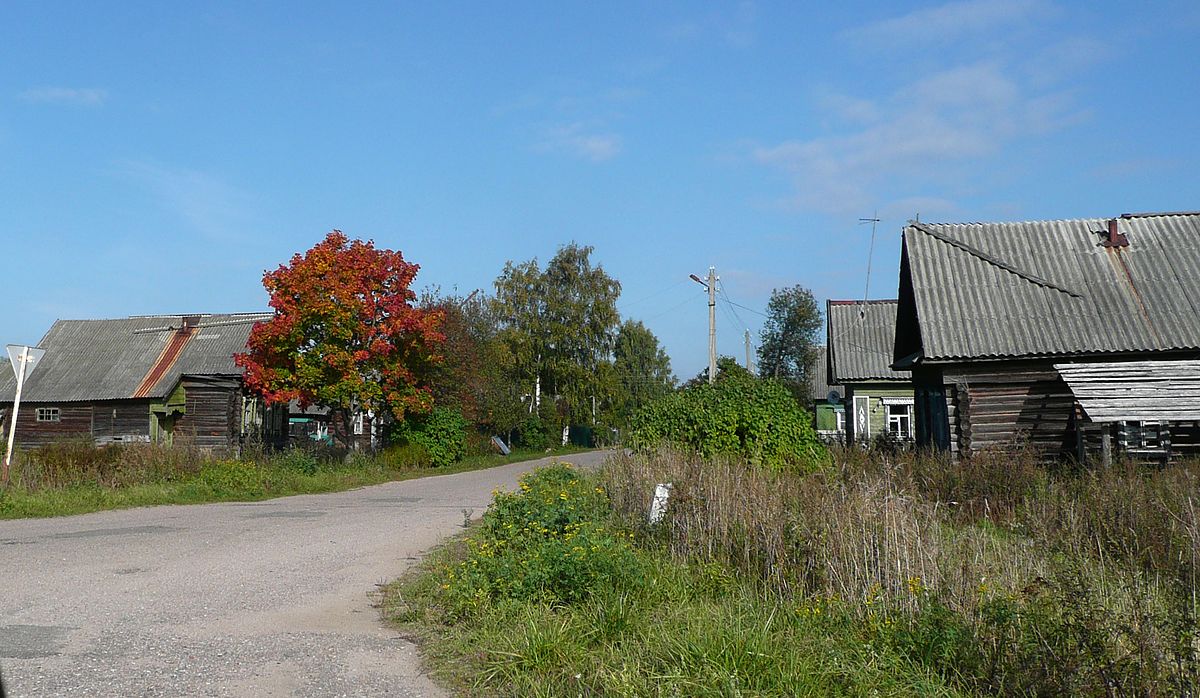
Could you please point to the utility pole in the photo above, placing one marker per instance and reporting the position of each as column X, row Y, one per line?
column 749, row 364
column 712, row 324
column 711, row 285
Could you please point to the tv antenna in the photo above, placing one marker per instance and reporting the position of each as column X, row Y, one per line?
column 873, row 220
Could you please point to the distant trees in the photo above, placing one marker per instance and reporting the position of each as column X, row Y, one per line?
column 476, row 375
column 789, row 334
column 641, row 370
column 346, row 334
column 560, row 326
column 548, row 350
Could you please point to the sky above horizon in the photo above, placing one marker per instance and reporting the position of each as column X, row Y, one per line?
column 158, row 157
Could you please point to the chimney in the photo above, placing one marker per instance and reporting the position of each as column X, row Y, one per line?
column 1115, row 237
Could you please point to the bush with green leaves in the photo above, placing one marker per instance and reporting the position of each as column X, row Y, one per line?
column 741, row 416
column 442, row 433
column 547, row 542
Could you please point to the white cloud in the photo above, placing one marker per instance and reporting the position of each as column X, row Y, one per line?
column 578, row 140
column 849, row 108
column 736, row 28
column 949, row 22
column 923, row 133
column 77, row 96
column 209, row 205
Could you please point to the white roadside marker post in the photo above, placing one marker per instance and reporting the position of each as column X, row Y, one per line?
column 658, row 505
column 24, row 359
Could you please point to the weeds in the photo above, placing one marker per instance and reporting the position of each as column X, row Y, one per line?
column 1004, row 575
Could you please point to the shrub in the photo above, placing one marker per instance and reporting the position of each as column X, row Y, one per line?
column 442, row 433
column 546, row 542
column 533, row 433
column 741, row 415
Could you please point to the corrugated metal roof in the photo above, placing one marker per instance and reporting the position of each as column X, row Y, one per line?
column 1119, row 391
column 109, row 359
column 1049, row 288
column 861, row 338
column 820, row 376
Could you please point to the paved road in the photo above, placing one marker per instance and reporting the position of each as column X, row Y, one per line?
column 255, row 599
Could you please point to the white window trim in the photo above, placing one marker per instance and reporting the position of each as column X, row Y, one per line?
column 905, row 434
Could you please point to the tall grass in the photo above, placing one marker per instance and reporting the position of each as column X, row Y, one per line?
column 1019, row 576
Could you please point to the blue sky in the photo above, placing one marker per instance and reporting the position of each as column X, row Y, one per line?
column 157, row 157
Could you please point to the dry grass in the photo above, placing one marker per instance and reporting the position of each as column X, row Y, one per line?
column 1089, row 571
column 850, row 533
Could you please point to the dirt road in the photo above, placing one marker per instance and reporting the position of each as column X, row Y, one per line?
column 263, row 599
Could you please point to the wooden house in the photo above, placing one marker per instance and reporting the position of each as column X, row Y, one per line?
column 878, row 398
column 143, row 379
column 1058, row 334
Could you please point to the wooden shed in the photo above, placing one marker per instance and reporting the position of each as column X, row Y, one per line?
column 144, row 379
column 992, row 315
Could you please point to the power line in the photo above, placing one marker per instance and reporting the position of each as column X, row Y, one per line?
column 751, row 310
column 725, row 297
column 677, row 306
column 643, row 299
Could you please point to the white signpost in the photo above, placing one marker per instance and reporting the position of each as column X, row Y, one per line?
column 658, row 505
column 24, row 359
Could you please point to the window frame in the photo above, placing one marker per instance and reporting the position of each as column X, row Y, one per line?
column 900, row 424
column 48, row 415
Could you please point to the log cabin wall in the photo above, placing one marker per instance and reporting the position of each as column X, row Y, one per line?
column 121, row 421
column 210, row 419
column 1006, row 404
column 74, row 421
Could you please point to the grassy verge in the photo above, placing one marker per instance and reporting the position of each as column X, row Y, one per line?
column 547, row 598
column 887, row 575
column 196, row 482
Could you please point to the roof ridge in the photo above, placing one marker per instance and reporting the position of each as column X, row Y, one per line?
column 873, row 301
column 975, row 252
column 1036, row 221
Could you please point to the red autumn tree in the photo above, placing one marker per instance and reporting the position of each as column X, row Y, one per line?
column 346, row 334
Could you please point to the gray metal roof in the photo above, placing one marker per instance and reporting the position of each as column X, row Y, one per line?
column 820, row 376
column 861, row 337
column 1049, row 288
column 109, row 359
column 1119, row 391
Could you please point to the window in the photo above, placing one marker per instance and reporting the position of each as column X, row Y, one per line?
column 899, row 419
column 358, row 424
column 48, row 414
column 840, row 415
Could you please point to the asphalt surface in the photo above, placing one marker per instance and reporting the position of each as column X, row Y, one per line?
column 256, row 599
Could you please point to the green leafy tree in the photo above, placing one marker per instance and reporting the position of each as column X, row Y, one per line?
column 476, row 373
column 641, row 370
column 560, row 326
column 346, row 333
column 788, row 336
